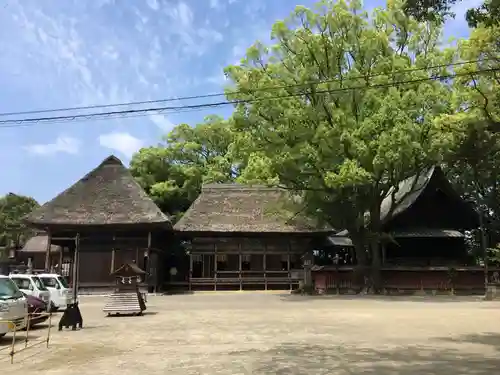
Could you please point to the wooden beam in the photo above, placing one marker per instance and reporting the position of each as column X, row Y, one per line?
column 288, row 262
column 75, row 268
column 47, row 252
column 113, row 256
column 264, row 264
column 239, row 266
column 190, row 269
column 215, row 266
column 148, row 252
column 61, row 258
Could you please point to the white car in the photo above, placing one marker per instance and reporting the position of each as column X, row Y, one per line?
column 13, row 307
column 60, row 292
column 31, row 285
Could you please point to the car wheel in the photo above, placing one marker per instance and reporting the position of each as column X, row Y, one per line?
column 53, row 307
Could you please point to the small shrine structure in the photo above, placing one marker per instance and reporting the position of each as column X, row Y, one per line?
column 127, row 298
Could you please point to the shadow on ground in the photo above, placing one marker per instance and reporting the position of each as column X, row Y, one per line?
column 20, row 338
column 381, row 298
column 295, row 359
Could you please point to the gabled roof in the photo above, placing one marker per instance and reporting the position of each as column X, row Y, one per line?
column 407, row 194
column 38, row 244
column 411, row 189
column 108, row 195
column 128, row 269
column 244, row 209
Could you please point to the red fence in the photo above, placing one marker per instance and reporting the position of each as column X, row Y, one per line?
column 398, row 279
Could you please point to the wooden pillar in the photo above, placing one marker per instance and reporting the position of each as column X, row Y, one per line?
column 215, row 266
column 190, row 276
column 47, row 252
column 61, row 258
column 290, row 284
column 264, row 263
column 75, row 267
column 148, row 255
column 239, row 267
column 113, row 256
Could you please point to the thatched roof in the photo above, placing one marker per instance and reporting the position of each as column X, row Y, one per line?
column 38, row 244
column 108, row 195
column 244, row 209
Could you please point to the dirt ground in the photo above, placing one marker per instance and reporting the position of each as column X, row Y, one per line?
column 257, row 333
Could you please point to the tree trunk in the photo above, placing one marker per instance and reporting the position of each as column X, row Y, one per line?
column 361, row 271
column 376, row 277
column 375, row 229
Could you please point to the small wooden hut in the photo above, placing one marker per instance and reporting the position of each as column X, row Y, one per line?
column 238, row 238
column 127, row 298
column 426, row 220
column 34, row 251
column 104, row 219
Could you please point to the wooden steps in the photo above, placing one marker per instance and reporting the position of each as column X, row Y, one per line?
column 125, row 303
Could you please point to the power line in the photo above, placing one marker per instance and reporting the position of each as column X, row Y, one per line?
column 187, row 108
column 206, row 96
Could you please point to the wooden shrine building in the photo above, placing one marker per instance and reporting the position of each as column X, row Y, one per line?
column 238, row 239
column 104, row 220
column 426, row 220
column 127, row 298
column 33, row 253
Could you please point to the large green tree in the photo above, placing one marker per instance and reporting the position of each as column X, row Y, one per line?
column 173, row 172
column 340, row 125
column 430, row 10
column 487, row 14
column 13, row 208
column 474, row 125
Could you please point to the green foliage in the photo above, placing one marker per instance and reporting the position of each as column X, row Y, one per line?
column 173, row 172
column 474, row 127
column 335, row 126
column 487, row 14
column 430, row 10
column 13, row 208
column 339, row 109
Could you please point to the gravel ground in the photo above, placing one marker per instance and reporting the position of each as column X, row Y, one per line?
column 263, row 333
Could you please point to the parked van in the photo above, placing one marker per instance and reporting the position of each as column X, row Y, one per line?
column 60, row 292
column 13, row 307
column 31, row 285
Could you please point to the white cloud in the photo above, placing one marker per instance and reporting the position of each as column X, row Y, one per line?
column 64, row 144
column 214, row 4
column 162, row 122
column 185, row 14
column 153, row 4
column 210, row 35
column 122, row 142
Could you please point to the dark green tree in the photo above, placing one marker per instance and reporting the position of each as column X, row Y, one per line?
column 13, row 207
column 173, row 172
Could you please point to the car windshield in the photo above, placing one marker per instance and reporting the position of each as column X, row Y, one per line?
column 8, row 289
column 63, row 282
column 49, row 282
column 38, row 283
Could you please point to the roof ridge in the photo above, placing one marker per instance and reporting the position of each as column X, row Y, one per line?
column 238, row 187
column 108, row 194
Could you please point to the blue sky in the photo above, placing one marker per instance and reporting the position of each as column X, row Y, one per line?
column 75, row 53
